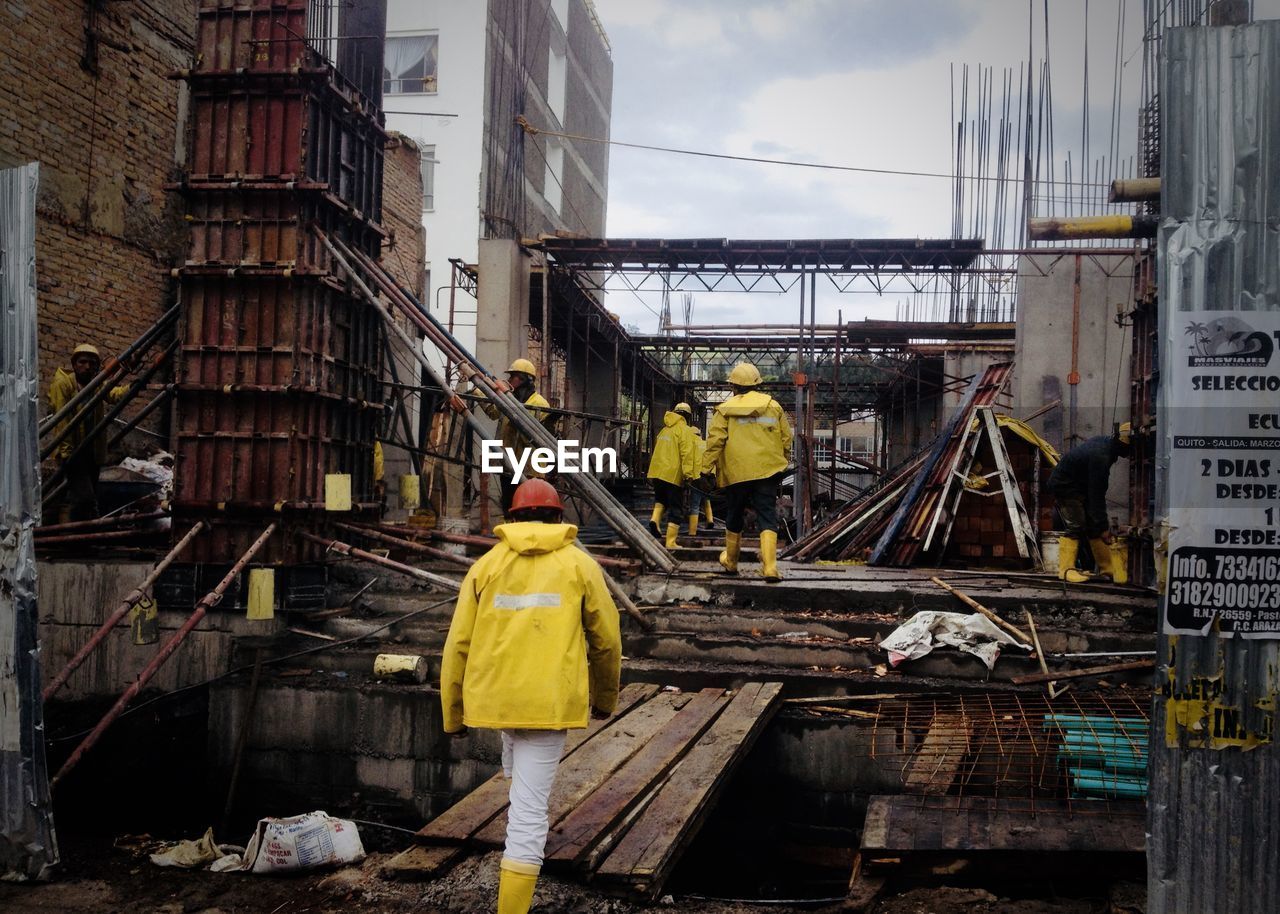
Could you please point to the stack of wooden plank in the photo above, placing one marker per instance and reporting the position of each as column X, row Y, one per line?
column 630, row 795
column 889, row 524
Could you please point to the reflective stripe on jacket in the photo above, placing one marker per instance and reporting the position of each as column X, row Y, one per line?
column 534, row 640
column 749, row 438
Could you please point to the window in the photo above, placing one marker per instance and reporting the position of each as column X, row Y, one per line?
column 557, row 66
column 409, row 64
column 429, row 163
column 554, row 176
column 561, row 10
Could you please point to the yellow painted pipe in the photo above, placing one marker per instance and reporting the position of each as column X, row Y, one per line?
column 1085, row 227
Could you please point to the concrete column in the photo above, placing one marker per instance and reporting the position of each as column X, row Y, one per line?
column 502, row 316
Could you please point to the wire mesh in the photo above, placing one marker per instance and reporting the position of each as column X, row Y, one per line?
column 1078, row 753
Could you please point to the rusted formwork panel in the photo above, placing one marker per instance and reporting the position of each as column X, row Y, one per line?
column 288, row 130
column 277, row 334
column 278, row 371
column 262, row 35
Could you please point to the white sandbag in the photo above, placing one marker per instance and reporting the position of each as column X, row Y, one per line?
column 315, row 839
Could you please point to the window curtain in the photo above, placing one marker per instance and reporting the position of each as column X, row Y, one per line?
column 404, row 57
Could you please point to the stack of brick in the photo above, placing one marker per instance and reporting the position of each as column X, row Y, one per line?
column 982, row 534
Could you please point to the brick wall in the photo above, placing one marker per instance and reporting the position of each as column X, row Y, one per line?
column 107, row 142
column 404, row 257
column 404, row 253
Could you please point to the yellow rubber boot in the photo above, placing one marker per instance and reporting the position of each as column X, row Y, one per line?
column 729, row 558
column 1102, row 558
column 656, row 519
column 673, row 530
column 693, row 525
column 1068, row 548
column 516, row 881
column 769, row 556
column 706, row 509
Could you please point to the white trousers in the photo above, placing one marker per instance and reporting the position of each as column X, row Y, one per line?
column 530, row 759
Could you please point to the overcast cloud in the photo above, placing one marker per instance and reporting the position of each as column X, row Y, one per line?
column 848, row 82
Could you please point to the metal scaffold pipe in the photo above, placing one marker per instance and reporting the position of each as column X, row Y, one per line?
column 113, row 368
column 1087, row 227
column 114, row 619
column 427, row 577
column 591, row 489
column 1135, row 190
column 207, row 602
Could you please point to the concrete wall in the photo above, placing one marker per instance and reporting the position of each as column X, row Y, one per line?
column 75, row 598
column 340, row 746
column 502, row 322
column 1046, row 297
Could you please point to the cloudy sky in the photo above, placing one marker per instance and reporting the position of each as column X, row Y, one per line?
column 863, row 83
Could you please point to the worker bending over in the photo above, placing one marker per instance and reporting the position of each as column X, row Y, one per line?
column 533, row 644
column 520, row 377
column 672, row 464
column 1079, row 484
column 747, row 447
column 81, row 460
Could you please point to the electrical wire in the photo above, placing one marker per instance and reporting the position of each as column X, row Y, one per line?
column 529, row 128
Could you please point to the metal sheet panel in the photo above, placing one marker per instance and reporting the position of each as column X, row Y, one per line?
column 28, row 848
column 1213, row 804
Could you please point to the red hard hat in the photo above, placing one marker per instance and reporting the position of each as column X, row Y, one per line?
column 535, row 493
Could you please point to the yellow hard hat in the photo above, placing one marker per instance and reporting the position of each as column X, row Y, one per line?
column 524, row 366
column 745, row 374
column 86, row 349
column 683, row 408
column 1125, row 432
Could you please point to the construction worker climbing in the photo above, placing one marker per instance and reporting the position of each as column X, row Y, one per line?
column 747, row 447
column 534, row 643
column 80, row 459
column 673, row 462
column 1079, row 484
column 520, row 376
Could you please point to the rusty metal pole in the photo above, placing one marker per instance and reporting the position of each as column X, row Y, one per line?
column 207, row 602
column 407, row 544
column 836, row 411
column 350, row 551
column 544, row 367
column 114, row 619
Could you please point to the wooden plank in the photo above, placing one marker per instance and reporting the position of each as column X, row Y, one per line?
column 648, row 852
column 422, row 862
column 478, row 808
column 587, row 769
column 939, row 757
column 1058, row 675
column 570, row 840
column 971, row 824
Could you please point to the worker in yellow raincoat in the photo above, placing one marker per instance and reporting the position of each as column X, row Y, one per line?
column 533, row 649
column 699, row 501
column 673, row 462
column 747, row 447
column 81, row 465
column 520, row 376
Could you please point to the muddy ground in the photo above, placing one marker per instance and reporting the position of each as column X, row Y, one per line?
column 96, row 877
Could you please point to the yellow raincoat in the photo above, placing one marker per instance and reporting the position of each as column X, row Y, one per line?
column 749, row 438
column 510, row 435
column 674, row 452
column 62, row 388
column 534, row 639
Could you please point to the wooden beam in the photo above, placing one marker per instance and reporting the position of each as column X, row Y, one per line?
column 573, row 837
column 1087, row 672
column 474, row 811
column 646, row 855
column 938, row 759
column 585, row 770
